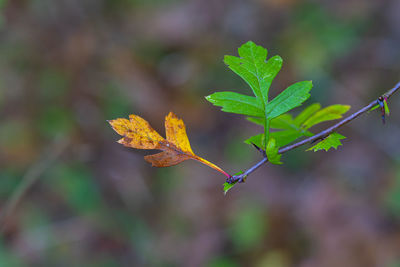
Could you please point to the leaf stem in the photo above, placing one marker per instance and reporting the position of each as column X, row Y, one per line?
column 266, row 132
column 212, row 165
column 322, row 134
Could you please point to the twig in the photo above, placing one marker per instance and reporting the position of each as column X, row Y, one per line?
column 29, row 178
column 259, row 149
column 241, row 177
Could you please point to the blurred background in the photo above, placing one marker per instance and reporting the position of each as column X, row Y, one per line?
column 71, row 196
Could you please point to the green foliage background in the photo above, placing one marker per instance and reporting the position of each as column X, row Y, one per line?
column 68, row 66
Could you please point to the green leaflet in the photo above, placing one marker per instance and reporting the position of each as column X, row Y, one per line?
column 286, row 137
column 332, row 112
column 272, row 152
column 271, row 149
column 258, row 140
column 228, row 186
column 259, row 121
column 253, row 69
column 387, row 112
column 236, row 103
column 282, row 138
column 291, row 97
column 374, row 107
column 333, row 140
column 306, row 113
column 284, row 121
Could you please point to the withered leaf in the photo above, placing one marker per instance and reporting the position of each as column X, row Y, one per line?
column 137, row 133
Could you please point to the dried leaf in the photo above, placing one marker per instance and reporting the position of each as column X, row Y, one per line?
column 137, row 133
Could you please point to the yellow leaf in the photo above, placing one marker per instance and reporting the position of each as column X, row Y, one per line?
column 137, row 133
column 176, row 133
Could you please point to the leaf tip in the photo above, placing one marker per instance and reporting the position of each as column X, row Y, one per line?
column 171, row 114
column 211, row 99
column 226, row 59
column 277, row 58
column 346, row 108
column 227, row 186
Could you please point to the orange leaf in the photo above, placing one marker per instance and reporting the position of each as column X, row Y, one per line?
column 137, row 133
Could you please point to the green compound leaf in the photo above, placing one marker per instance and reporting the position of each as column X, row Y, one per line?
column 332, row 112
column 252, row 67
column 333, row 140
column 236, row 103
column 291, row 97
column 272, row 152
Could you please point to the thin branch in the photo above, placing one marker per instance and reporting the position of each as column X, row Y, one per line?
column 241, row 178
